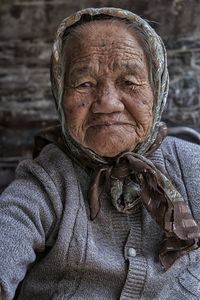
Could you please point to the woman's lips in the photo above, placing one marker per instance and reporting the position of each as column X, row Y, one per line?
column 109, row 124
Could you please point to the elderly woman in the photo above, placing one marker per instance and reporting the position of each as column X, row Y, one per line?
column 104, row 209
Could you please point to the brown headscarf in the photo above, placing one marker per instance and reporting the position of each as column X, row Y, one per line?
column 132, row 179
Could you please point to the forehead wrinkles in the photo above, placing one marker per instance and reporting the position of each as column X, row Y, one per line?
column 106, row 53
column 103, row 48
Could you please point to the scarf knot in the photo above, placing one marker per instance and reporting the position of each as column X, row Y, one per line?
column 132, row 181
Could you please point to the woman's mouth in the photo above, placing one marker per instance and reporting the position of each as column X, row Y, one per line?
column 108, row 124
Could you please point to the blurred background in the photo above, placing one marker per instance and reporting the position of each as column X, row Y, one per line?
column 27, row 29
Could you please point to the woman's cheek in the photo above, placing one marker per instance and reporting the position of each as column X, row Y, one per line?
column 138, row 111
column 75, row 104
column 76, row 129
column 76, row 112
column 141, row 106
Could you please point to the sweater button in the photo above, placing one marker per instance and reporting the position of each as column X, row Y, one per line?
column 132, row 252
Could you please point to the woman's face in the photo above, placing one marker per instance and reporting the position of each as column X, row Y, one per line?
column 108, row 98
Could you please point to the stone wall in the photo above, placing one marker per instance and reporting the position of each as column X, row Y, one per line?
column 26, row 35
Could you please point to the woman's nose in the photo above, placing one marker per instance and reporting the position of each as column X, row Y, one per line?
column 107, row 100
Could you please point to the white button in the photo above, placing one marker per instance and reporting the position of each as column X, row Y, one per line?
column 132, row 252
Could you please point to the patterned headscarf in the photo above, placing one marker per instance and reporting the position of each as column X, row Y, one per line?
column 159, row 71
column 133, row 180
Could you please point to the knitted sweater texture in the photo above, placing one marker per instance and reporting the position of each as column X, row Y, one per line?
column 49, row 249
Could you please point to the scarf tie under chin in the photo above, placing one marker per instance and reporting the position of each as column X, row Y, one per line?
column 132, row 181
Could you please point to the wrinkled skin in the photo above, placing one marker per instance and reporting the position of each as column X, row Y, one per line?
column 108, row 98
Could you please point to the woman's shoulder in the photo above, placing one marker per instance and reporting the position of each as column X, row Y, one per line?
column 50, row 156
column 180, row 146
column 51, row 165
column 182, row 152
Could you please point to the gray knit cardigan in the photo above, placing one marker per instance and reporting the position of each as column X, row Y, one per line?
column 50, row 250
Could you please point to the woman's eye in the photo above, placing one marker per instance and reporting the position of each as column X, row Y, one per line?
column 86, row 85
column 131, row 84
column 128, row 82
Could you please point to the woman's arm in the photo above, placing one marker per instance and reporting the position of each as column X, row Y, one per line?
column 183, row 159
column 27, row 219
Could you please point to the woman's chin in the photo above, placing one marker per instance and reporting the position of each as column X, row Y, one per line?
column 111, row 143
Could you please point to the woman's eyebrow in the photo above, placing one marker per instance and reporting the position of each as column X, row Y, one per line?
column 80, row 70
column 132, row 68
